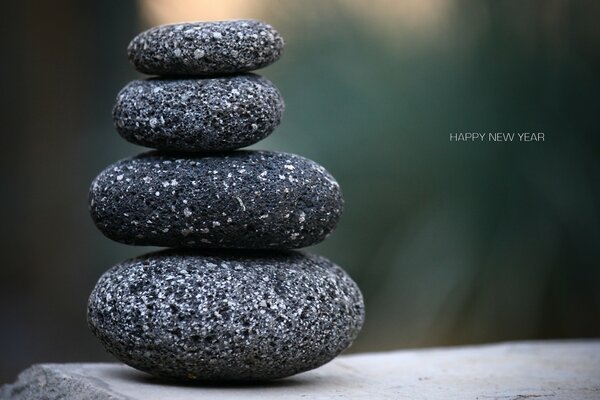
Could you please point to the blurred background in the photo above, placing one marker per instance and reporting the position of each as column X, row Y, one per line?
column 452, row 243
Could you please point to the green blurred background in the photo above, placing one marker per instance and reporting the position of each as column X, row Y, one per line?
column 451, row 243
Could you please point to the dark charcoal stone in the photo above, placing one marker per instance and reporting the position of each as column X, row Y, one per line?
column 243, row 199
column 195, row 315
column 212, row 114
column 205, row 48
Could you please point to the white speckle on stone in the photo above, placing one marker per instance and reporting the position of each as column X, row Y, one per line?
column 153, row 122
column 198, row 53
column 157, row 193
column 217, row 35
column 241, row 203
column 216, row 223
column 187, row 212
column 289, row 166
column 302, row 217
column 177, row 52
column 119, row 177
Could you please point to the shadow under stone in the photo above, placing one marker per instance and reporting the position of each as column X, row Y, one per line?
column 145, row 378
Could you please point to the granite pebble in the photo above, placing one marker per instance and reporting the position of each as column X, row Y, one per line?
column 205, row 48
column 211, row 114
column 236, row 315
column 242, row 199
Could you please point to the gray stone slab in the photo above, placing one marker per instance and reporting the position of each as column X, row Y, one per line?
column 522, row 370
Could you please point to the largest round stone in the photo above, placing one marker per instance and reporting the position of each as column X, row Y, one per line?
column 243, row 199
column 225, row 316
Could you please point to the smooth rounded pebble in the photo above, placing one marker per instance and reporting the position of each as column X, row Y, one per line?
column 212, row 114
column 195, row 315
column 243, row 199
column 205, row 48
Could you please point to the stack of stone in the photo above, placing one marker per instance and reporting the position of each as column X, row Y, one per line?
column 231, row 300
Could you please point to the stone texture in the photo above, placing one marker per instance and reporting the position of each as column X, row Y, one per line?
column 243, row 199
column 205, row 48
column 198, row 315
column 212, row 114
column 537, row 370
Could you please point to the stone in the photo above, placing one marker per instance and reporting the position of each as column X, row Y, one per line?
column 211, row 114
column 557, row 370
column 243, row 199
column 205, row 48
column 228, row 316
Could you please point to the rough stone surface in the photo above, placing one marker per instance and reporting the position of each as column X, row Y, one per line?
column 536, row 370
column 205, row 48
column 243, row 199
column 198, row 315
column 211, row 114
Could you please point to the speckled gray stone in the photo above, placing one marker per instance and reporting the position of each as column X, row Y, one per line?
column 212, row 114
column 213, row 315
column 243, row 199
column 205, row 48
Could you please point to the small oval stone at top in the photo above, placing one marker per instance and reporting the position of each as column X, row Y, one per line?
column 205, row 48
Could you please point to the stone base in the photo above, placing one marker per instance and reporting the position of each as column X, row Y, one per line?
column 556, row 370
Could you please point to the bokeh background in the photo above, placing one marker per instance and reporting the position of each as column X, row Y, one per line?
column 451, row 243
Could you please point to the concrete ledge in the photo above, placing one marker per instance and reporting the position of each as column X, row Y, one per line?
column 554, row 370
